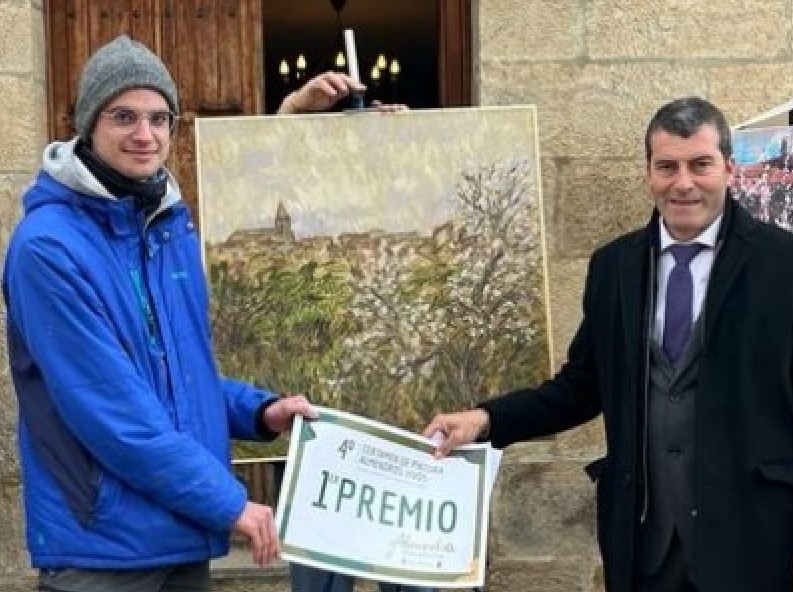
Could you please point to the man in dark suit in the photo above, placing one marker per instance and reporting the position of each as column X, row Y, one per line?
column 691, row 364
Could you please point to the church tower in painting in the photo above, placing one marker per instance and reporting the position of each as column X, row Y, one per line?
column 283, row 223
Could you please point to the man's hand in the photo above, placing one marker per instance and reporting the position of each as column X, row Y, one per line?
column 320, row 93
column 278, row 416
column 457, row 429
column 256, row 523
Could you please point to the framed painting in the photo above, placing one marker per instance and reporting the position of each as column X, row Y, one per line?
column 763, row 181
column 391, row 265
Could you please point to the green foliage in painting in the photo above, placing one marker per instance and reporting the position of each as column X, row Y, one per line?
column 397, row 327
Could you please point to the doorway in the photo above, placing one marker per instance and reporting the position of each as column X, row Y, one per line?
column 397, row 46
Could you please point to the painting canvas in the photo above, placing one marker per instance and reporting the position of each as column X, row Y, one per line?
column 763, row 182
column 390, row 265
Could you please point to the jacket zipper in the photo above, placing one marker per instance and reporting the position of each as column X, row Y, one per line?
column 142, row 287
column 145, row 305
column 145, row 300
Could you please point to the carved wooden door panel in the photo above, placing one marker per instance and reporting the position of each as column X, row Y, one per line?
column 74, row 29
column 213, row 49
column 455, row 54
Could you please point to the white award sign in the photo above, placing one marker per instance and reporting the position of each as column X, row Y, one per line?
column 367, row 499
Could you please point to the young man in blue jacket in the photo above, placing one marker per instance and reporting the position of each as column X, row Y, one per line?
column 125, row 420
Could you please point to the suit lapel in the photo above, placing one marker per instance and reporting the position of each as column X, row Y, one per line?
column 730, row 259
column 633, row 281
column 726, row 268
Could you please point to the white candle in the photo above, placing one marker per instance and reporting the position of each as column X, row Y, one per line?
column 352, row 56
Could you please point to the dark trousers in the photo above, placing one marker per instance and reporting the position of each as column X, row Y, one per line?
column 671, row 576
column 192, row 577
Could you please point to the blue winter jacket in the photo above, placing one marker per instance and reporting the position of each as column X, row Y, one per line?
column 124, row 419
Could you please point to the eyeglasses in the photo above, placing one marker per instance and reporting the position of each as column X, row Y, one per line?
column 127, row 118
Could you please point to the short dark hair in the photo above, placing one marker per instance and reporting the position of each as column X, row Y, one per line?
column 683, row 117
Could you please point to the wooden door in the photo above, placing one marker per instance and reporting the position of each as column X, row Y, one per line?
column 455, row 54
column 215, row 53
column 213, row 49
column 75, row 28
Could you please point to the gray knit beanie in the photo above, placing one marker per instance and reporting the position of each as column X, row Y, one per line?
column 122, row 64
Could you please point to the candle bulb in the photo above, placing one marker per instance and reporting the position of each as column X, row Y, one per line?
column 283, row 70
column 300, row 67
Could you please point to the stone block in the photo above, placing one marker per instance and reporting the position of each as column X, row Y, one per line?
column 11, row 188
column 22, row 125
column 584, row 443
column 16, row 37
column 19, row 583
column 236, row 572
column 681, row 29
column 745, row 90
column 588, row 110
column 542, row 509
column 249, row 583
column 13, row 557
column 549, row 175
column 599, row 201
column 539, row 450
column 9, row 455
column 541, row 574
column 566, row 287
column 38, row 35
column 532, row 30
column 598, row 578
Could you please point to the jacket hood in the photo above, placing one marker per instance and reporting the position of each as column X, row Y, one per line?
column 62, row 165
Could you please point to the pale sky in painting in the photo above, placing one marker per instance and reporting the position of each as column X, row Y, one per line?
column 349, row 173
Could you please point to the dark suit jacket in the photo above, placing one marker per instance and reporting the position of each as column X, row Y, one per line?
column 743, row 484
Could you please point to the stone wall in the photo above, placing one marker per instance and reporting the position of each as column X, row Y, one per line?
column 22, row 137
column 597, row 70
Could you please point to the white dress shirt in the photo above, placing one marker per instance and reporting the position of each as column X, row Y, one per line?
column 700, row 268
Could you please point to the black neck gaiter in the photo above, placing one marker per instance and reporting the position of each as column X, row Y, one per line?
column 147, row 194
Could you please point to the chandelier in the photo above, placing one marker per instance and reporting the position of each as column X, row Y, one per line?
column 297, row 69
